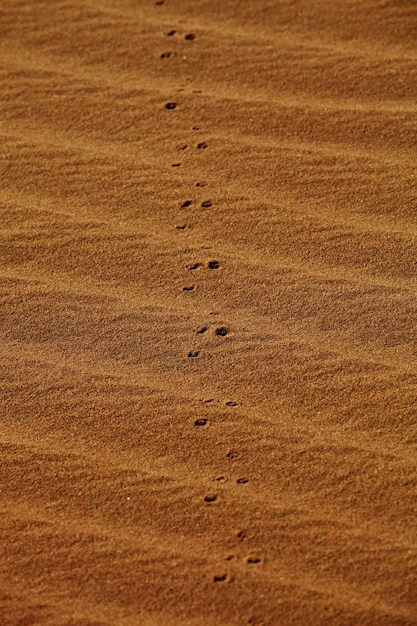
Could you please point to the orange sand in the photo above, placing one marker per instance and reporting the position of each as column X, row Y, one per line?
column 208, row 319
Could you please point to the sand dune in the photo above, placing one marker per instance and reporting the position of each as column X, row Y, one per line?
column 208, row 320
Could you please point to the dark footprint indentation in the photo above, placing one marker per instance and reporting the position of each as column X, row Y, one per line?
column 159, row 2
column 242, row 481
column 186, row 204
column 191, row 288
column 202, row 145
column 195, row 266
column 166, row 55
column 232, row 454
column 220, row 479
column 213, row 265
column 190, row 37
column 219, row 579
column 193, row 354
column 201, row 184
column 242, row 535
column 202, row 421
column 253, row 559
column 212, row 498
column 209, row 400
column 222, row 331
column 171, row 32
column 231, row 403
column 175, row 164
column 206, row 204
column 202, row 330
column 181, row 227
column 230, row 557
column 171, row 106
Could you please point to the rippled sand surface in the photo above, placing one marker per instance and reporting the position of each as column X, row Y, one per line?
column 208, row 312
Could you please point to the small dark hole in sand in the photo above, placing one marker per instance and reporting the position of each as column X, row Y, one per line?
column 171, row 106
column 213, row 265
column 222, row 331
column 231, row 403
column 202, row 421
column 218, row 579
column 193, row 354
column 202, row 145
column 254, row 559
column 190, row 37
column 242, row 481
column 181, row 227
column 206, row 204
column 212, row 498
column 171, row 32
column 195, row 266
column 186, row 204
column 202, row 330
column 191, row 288
column 166, row 55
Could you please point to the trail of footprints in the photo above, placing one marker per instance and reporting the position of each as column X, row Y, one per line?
column 212, row 498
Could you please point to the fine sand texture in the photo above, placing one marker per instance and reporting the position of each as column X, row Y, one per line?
column 208, row 351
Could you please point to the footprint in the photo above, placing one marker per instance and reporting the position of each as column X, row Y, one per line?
column 206, row 204
column 211, row 498
column 166, row 55
column 195, row 266
column 186, row 204
column 181, row 227
column 202, row 145
column 193, row 354
column 202, row 421
column 255, row 621
column 175, row 164
column 171, row 106
column 242, row 481
column 190, row 37
column 220, row 479
column 242, row 535
column 191, row 288
column 171, row 32
column 159, row 2
column 201, row 184
column 221, row 332
column 202, row 330
column 231, row 403
column 219, row 578
column 232, row 454
column 253, row 560
column 213, row 265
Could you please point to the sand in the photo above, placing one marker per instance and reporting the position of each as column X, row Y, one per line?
column 208, row 317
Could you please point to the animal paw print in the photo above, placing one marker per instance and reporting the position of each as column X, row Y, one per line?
column 221, row 332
